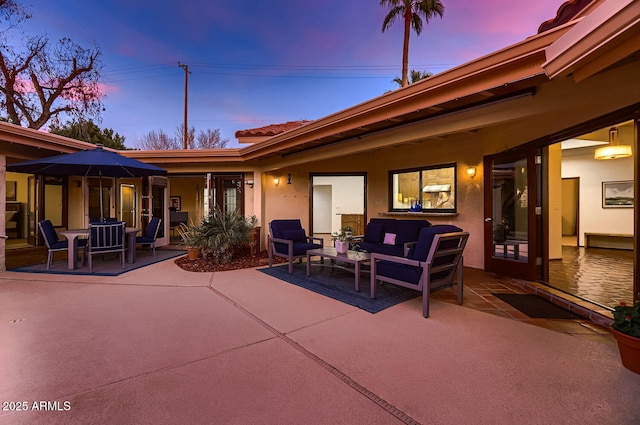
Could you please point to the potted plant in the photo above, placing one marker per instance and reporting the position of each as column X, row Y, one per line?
column 341, row 240
column 626, row 330
column 191, row 238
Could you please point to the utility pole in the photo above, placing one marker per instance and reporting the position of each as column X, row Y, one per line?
column 186, row 97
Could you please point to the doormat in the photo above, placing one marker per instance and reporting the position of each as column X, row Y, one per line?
column 537, row 307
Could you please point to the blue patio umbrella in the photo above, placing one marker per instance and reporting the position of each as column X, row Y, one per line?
column 93, row 162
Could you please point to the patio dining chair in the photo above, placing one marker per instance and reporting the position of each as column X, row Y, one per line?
column 150, row 234
column 434, row 262
column 105, row 238
column 288, row 239
column 53, row 242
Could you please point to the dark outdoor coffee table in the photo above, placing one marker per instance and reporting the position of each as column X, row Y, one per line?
column 351, row 257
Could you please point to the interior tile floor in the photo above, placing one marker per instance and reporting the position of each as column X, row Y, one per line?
column 602, row 276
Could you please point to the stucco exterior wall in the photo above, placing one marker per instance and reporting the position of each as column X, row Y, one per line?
column 292, row 201
column 463, row 138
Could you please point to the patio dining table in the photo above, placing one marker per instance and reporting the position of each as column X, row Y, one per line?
column 72, row 236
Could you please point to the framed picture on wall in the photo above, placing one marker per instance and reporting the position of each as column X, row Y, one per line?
column 617, row 194
column 175, row 203
column 11, row 191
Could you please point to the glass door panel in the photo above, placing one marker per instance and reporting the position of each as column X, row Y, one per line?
column 33, row 187
column 128, row 204
column 510, row 215
column 509, row 210
column 99, row 198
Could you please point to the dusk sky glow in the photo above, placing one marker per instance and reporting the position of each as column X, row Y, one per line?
column 258, row 63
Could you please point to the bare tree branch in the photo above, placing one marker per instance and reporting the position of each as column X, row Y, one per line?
column 41, row 82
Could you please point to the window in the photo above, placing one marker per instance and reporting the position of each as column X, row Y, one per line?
column 429, row 189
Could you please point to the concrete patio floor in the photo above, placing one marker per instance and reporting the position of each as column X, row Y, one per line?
column 160, row 345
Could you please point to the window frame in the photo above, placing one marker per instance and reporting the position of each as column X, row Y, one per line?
column 421, row 170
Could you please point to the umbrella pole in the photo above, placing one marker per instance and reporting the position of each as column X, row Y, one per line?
column 101, row 206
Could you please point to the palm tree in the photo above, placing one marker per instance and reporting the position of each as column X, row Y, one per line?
column 412, row 12
column 415, row 76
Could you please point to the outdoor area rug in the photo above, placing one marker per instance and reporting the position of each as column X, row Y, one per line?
column 108, row 266
column 537, row 307
column 339, row 285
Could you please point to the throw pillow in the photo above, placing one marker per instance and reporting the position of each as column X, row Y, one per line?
column 389, row 239
column 297, row 235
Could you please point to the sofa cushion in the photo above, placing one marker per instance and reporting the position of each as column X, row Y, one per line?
column 296, row 235
column 395, row 250
column 278, row 226
column 299, row 248
column 389, row 239
column 403, row 272
column 425, row 239
column 409, row 230
column 373, row 233
column 366, row 246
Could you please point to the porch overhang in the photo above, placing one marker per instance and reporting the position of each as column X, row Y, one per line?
column 606, row 36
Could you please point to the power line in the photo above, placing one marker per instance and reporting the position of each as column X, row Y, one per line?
column 267, row 71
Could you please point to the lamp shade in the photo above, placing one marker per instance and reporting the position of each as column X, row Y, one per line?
column 614, row 149
column 613, row 152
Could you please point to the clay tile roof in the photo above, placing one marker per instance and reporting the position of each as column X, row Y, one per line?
column 567, row 11
column 271, row 129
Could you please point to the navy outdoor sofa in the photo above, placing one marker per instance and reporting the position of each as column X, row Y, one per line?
column 390, row 236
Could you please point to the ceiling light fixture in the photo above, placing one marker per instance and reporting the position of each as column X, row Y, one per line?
column 614, row 149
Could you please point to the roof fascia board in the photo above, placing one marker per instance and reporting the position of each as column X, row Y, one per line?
column 29, row 137
column 613, row 24
column 185, row 155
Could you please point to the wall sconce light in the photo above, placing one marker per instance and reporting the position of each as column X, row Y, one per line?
column 276, row 181
column 471, row 172
column 249, row 183
column 288, row 178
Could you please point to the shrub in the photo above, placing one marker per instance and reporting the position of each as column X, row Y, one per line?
column 221, row 232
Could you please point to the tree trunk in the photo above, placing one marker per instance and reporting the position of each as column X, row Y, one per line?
column 405, row 48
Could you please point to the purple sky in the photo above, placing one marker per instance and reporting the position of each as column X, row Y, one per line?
column 255, row 63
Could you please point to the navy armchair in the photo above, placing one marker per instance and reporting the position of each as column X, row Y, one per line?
column 53, row 243
column 431, row 264
column 288, row 239
column 150, row 234
column 104, row 238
